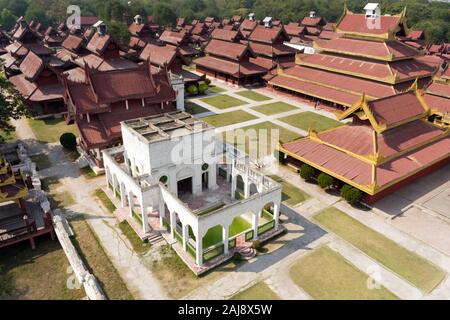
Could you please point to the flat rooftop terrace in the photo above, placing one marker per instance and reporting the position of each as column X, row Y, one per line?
column 165, row 126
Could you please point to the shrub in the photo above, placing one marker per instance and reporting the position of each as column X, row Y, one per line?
column 192, row 90
column 237, row 256
column 256, row 244
column 324, row 180
column 207, row 81
column 351, row 195
column 68, row 140
column 202, row 87
column 306, row 172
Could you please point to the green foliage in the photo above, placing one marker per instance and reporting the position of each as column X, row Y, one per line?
column 6, row 286
column 192, row 90
column 7, row 19
column 12, row 106
column 257, row 245
column 207, row 81
column 306, row 172
column 68, row 140
column 119, row 31
column 163, row 14
column 351, row 194
column 202, row 87
column 324, row 180
column 37, row 13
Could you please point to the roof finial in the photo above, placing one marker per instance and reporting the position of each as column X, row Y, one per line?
column 415, row 86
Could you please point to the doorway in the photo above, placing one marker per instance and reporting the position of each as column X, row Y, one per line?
column 184, row 187
column 204, row 181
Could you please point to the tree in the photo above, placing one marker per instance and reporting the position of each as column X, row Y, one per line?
column 7, row 19
column 192, row 90
column 36, row 13
column 324, row 180
column 18, row 7
column 306, row 172
column 351, row 194
column 119, row 31
column 163, row 14
column 12, row 106
column 68, row 140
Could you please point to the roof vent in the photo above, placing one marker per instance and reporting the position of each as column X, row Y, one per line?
column 312, row 14
column 100, row 26
column 267, row 22
column 251, row 17
column 373, row 10
column 138, row 19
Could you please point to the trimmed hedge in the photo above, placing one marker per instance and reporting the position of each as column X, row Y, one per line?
column 351, row 194
column 306, row 172
column 192, row 90
column 68, row 140
column 324, row 180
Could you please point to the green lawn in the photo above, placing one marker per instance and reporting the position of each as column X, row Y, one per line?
column 49, row 130
column 8, row 136
column 88, row 173
column 214, row 235
column 42, row 161
column 194, row 108
column 215, row 89
column 223, row 101
column 253, row 135
column 252, row 95
column 259, row 291
column 39, row 274
column 97, row 261
column 326, row 275
column 229, row 118
column 291, row 195
column 274, row 108
column 412, row 267
column 105, row 200
column 307, row 120
column 139, row 246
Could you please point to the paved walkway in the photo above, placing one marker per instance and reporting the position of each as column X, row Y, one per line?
column 115, row 244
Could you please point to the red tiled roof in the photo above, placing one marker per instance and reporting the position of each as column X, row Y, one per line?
column 360, row 24
column 25, row 87
column 48, row 93
column 373, row 49
column 271, row 50
column 438, row 104
column 225, row 35
column 136, row 29
column 173, row 37
column 405, row 69
column 248, row 25
column 396, row 108
column 187, row 51
column 315, row 90
column 294, row 29
column 158, row 55
column 326, row 34
column 439, row 89
column 230, row 50
column 72, row 43
column 229, row 67
column 31, row 66
column 342, row 82
column 268, row 35
column 312, row 22
column 88, row 20
column 98, row 43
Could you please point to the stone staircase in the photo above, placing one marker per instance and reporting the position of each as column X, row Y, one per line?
column 247, row 253
column 154, row 237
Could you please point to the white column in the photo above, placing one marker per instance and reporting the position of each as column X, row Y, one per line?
column 229, row 168
column 255, row 225
column 144, row 217
column 212, row 177
column 185, row 236
column 246, row 188
column 130, row 203
column 225, row 239
column 199, row 249
column 173, row 224
column 276, row 213
column 123, row 195
column 161, row 212
column 233, row 186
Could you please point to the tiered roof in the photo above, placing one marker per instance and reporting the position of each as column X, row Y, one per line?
column 361, row 60
column 437, row 95
column 12, row 184
column 390, row 142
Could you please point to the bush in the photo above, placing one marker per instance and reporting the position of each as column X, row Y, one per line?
column 351, row 195
column 256, row 244
column 202, row 87
column 237, row 256
column 68, row 140
column 324, row 180
column 192, row 90
column 207, row 81
column 306, row 172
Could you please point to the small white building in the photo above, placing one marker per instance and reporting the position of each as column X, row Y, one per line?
column 171, row 174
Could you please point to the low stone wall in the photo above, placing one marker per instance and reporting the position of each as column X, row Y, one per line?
column 87, row 279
